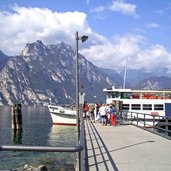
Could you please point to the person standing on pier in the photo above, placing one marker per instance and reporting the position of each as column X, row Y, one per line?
column 91, row 111
column 86, row 110
column 102, row 112
column 111, row 111
column 97, row 106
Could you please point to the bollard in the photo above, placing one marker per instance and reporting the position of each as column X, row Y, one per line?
column 16, row 117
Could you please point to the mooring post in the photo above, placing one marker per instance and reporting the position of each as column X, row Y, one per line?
column 16, row 117
column 13, row 126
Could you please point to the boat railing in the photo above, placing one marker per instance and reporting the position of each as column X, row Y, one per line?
column 152, row 122
column 79, row 149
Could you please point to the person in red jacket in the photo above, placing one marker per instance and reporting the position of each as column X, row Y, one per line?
column 86, row 109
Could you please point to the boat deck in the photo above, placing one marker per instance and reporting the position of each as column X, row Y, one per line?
column 125, row 148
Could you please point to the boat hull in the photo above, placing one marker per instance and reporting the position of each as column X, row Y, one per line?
column 62, row 116
column 59, row 119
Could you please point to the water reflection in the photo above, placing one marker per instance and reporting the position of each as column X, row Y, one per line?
column 37, row 131
column 62, row 136
column 5, row 125
column 16, row 137
column 5, row 117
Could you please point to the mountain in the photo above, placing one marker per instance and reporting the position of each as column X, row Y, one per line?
column 135, row 76
column 44, row 73
column 3, row 60
column 114, row 76
column 157, row 83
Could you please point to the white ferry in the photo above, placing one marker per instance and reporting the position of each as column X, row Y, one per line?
column 152, row 102
column 62, row 116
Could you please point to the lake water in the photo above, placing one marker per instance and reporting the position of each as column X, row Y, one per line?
column 37, row 131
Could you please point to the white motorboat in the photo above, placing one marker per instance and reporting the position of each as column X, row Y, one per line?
column 62, row 116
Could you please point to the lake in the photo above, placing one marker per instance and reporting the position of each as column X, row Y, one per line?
column 37, row 131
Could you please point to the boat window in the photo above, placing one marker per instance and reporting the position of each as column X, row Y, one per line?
column 116, row 94
column 135, row 96
column 125, row 95
column 136, row 107
column 147, row 107
column 113, row 95
column 125, row 106
column 109, row 95
column 158, row 107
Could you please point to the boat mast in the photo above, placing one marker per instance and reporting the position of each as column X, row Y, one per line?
column 124, row 77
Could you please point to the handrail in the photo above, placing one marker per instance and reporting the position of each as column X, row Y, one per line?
column 79, row 148
column 135, row 119
column 41, row 148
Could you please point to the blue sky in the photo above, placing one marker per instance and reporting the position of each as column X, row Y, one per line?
column 135, row 33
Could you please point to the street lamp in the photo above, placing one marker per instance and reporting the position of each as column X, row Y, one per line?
column 83, row 39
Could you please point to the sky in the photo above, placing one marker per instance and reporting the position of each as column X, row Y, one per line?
column 131, row 33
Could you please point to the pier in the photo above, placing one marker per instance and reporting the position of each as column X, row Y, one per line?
column 125, row 148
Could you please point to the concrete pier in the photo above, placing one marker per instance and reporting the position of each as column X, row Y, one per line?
column 125, row 148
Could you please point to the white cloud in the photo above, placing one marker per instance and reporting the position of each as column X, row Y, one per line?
column 98, row 9
column 25, row 25
column 152, row 25
column 154, row 57
column 29, row 24
column 124, row 8
column 160, row 12
column 128, row 49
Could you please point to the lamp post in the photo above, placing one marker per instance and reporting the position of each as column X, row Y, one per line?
column 83, row 39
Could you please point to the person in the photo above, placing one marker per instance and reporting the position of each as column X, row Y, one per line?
column 108, row 113
column 98, row 116
column 86, row 109
column 112, row 112
column 91, row 111
column 97, row 106
column 102, row 111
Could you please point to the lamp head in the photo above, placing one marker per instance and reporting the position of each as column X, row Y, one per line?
column 84, row 38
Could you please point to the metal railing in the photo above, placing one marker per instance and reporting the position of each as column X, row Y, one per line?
column 154, row 123
column 80, row 164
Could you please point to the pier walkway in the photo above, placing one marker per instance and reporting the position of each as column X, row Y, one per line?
column 125, row 148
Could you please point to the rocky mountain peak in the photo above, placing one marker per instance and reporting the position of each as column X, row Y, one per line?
column 34, row 49
column 47, row 72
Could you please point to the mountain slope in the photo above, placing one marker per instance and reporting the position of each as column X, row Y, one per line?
column 3, row 60
column 47, row 73
column 157, row 83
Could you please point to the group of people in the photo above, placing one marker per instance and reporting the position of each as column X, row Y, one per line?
column 102, row 112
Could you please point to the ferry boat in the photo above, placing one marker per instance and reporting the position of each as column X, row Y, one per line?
column 62, row 116
column 131, row 102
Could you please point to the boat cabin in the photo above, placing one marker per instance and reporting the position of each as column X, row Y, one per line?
column 145, row 101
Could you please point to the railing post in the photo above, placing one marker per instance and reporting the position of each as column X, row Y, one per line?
column 82, row 155
column 131, row 117
column 153, row 122
column 16, row 117
column 144, row 120
column 137, row 118
column 167, row 126
column 82, row 139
